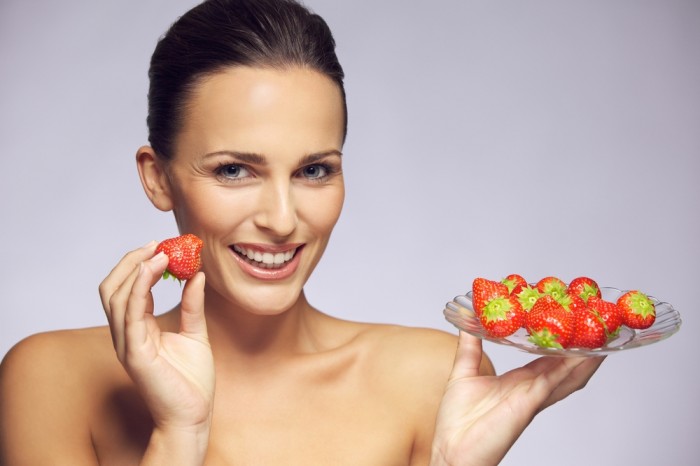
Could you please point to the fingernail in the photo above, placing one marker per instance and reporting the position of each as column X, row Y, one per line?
column 159, row 257
column 148, row 245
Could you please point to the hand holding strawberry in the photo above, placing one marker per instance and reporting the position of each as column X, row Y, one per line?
column 172, row 367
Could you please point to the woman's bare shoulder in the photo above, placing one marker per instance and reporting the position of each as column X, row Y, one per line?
column 47, row 389
column 56, row 364
column 415, row 350
column 53, row 351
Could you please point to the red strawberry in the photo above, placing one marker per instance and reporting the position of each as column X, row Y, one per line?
column 584, row 287
column 502, row 316
column 572, row 303
column 609, row 312
column 552, row 286
column 589, row 329
column 637, row 309
column 183, row 252
column 515, row 283
column 527, row 297
column 484, row 290
column 549, row 324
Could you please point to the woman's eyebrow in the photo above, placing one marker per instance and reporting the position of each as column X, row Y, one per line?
column 247, row 157
column 315, row 157
column 258, row 159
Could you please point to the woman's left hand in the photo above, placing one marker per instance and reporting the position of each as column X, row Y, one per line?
column 481, row 417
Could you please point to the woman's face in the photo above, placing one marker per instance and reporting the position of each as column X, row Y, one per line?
column 257, row 174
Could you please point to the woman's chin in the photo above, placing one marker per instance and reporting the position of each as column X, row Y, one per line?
column 262, row 301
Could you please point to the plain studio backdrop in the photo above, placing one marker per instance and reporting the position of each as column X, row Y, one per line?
column 485, row 138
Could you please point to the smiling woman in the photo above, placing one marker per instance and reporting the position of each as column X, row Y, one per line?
column 247, row 120
column 263, row 145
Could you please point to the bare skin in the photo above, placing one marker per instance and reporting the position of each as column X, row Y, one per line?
column 253, row 374
column 368, row 396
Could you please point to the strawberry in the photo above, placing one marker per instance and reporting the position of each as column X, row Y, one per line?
column 527, row 297
column 637, row 309
column 589, row 329
column 571, row 303
column 584, row 287
column 515, row 283
column 609, row 312
column 502, row 316
column 484, row 290
column 552, row 286
column 549, row 324
column 183, row 252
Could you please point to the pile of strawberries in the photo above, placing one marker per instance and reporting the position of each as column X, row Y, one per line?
column 556, row 315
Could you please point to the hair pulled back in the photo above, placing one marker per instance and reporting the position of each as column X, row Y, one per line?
column 218, row 34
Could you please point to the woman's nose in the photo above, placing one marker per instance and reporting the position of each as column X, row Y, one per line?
column 276, row 211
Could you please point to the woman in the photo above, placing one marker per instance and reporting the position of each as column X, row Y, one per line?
column 247, row 120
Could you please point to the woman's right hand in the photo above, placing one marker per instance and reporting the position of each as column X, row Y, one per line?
column 174, row 372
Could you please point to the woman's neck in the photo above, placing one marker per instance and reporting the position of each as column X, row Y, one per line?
column 238, row 333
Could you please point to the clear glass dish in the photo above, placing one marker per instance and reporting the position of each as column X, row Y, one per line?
column 460, row 313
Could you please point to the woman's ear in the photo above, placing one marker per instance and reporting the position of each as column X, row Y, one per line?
column 154, row 179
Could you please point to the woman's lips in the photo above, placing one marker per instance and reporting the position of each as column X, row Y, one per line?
column 268, row 262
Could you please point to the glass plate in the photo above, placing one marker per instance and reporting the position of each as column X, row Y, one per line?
column 460, row 313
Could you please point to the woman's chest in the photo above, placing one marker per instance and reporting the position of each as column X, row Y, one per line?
column 289, row 421
column 286, row 417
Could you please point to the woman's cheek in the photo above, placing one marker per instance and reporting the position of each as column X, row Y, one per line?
column 323, row 209
column 211, row 211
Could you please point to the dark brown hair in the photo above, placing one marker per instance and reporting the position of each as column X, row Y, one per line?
column 218, row 34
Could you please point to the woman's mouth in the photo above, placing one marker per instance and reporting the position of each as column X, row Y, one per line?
column 265, row 259
column 265, row 262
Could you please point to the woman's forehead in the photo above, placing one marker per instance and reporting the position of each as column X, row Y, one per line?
column 252, row 107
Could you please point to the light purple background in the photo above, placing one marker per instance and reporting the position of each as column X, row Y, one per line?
column 540, row 137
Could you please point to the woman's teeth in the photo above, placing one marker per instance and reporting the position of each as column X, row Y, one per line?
column 265, row 259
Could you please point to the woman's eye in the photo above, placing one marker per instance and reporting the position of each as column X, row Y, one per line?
column 314, row 172
column 232, row 171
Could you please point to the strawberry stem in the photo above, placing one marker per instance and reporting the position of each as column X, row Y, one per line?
column 167, row 275
column 545, row 339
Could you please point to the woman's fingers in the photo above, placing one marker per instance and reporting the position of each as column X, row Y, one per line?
column 139, row 303
column 116, row 288
column 555, row 378
column 576, row 379
column 468, row 356
column 121, row 271
column 192, row 321
column 116, row 304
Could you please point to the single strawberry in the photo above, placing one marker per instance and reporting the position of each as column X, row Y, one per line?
column 552, row 286
column 485, row 290
column 515, row 283
column 527, row 297
column 589, row 329
column 609, row 312
column 637, row 309
column 584, row 287
column 183, row 253
column 549, row 324
column 571, row 302
column 502, row 316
